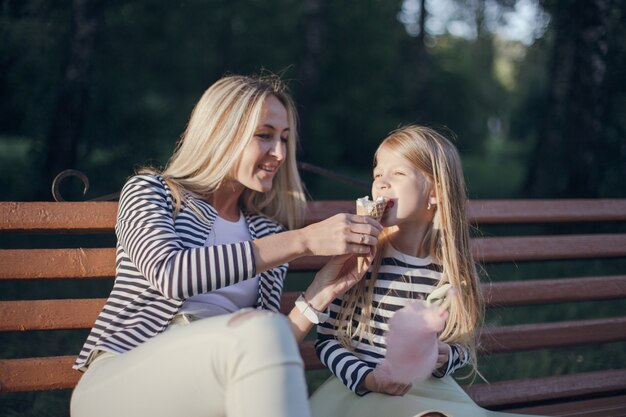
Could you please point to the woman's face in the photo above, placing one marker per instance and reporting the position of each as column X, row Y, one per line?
column 267, row 150
column 406, row 186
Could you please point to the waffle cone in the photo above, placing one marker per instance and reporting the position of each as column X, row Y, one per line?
column 374, row 209
column 360, row 264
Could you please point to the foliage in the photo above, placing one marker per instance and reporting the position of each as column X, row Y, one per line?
column 354, row 68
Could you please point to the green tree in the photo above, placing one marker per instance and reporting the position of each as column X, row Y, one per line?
column 579, row 129
column 70, row 109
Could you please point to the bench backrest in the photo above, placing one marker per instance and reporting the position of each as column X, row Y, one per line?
column 30, row 264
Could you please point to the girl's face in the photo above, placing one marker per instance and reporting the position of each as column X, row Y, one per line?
column 267, row 150
column 407, row 188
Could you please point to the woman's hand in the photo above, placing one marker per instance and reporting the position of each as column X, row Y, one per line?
column 390, row 388
column 341, row 234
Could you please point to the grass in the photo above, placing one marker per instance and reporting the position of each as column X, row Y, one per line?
column 497, row 172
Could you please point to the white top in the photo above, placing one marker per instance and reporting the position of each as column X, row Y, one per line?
column 233, row 297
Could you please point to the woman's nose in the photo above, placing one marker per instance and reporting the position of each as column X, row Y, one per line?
column 278, row 149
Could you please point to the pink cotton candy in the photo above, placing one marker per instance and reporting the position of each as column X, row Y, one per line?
column 412, row 343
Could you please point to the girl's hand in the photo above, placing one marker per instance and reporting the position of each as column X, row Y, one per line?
column 335, row 278
column 390, row 388
column 443, row 352
column 341, row 234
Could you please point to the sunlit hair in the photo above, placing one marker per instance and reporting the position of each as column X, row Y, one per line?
column 221, row 125
column 447, row 240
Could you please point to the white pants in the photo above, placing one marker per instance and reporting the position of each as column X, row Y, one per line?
column 241, row 364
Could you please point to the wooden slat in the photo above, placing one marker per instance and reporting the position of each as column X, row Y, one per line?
column 308, row 263
column 100, row 262
column 56, row 373
column 49, row 314
column 543, row 389
column 57, row 263
column 37, row 374
column 307, row 351
column 49, row 373
column 610, row 406
column 537, row 291
column 321, row 210
column 84, row 263
column 81, row 314
column 562, row 290
column 287, row 301
column 541, row 248
column 52, row 217
column 521, row 337
column 98, row 217
column 512, row 338
column 546, row 211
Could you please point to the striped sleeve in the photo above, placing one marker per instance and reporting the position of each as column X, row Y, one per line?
column 458, row 356
column 272, row 280
column 344, row 364
column 145, row 230
column 271, row 286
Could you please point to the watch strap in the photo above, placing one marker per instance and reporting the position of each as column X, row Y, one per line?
column 313, row 315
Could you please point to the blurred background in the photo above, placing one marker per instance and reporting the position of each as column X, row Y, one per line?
column 534, row 92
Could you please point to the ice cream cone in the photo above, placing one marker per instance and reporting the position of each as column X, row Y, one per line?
column 374, row 209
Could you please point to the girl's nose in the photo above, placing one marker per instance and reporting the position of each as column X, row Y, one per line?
column 381, row 184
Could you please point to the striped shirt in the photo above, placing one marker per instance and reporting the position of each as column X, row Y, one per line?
column 160, row 262
column 401, row 278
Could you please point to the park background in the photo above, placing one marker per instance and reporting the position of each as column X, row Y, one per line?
column 533, row 91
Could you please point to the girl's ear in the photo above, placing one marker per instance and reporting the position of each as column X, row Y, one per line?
column 432, row 199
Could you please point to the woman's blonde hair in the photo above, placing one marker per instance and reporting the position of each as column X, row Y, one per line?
column 447, row 240
column 220, row 127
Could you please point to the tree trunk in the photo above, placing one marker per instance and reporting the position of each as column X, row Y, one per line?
column 421, row 62
column 565, row 159
column 310, row 65
column 71, row 108
column 421, row 36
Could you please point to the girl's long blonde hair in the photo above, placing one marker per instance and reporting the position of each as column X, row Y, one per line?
column 447, row 241
column 220, row 127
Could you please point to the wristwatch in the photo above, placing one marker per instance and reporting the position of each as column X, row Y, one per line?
column 308, row 311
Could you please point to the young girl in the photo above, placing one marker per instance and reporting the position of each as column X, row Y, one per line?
column 200, row 246
column 425, row 244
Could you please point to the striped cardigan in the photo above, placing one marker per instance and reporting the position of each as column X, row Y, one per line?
column 401, row 278
column 160, row 262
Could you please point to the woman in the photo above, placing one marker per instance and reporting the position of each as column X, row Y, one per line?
column 201, row 241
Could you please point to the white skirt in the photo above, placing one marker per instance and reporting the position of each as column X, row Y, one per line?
column 333, row 399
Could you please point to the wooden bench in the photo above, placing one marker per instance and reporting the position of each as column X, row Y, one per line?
column 72, row 244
